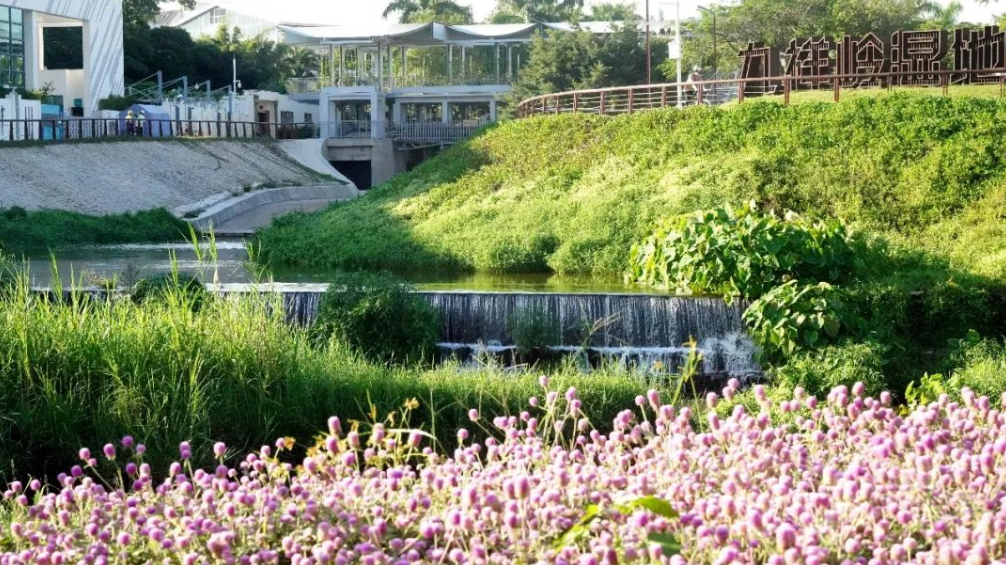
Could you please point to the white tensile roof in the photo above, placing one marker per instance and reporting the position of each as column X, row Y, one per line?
column 430, row 34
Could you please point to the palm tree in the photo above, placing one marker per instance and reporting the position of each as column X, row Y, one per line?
column 940, row 16
column 302, row 62
column 425, row 11
column 538, row 10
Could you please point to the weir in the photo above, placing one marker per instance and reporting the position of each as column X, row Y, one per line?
column 634, row 329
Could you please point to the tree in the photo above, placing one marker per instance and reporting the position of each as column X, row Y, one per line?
column 425, row 11
column 943, row 17
column 139, row 13
column 612, row 12
column 303, row 62
column 561, row 61
column 512, row 11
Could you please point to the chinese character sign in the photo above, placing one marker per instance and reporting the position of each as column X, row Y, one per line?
column 908, row 58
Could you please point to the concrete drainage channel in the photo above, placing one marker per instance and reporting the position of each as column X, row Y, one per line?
column 243, row 215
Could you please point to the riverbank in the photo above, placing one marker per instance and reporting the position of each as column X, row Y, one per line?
column 123, row 177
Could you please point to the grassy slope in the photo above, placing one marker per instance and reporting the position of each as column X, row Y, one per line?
column 571, row 193
column 51, row 229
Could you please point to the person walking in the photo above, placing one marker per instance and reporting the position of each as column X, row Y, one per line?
column 141, row 121
column 130, row 123
column 692, row 87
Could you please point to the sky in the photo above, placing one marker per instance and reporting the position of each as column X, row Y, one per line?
column 356, row 12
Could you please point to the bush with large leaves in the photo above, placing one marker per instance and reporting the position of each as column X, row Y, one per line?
column 743, row 253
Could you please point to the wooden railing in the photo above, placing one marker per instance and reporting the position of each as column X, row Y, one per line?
column 630, row 99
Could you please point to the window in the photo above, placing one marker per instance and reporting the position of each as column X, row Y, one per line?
column 308, row 118
column 218, row 16
column 286, row 117
column 11, row 48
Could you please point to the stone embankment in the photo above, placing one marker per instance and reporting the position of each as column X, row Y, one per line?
column 107, row 178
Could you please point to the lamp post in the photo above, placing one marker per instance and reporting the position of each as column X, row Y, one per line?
column 716, row 52
column 649, row 62
column 677, row 42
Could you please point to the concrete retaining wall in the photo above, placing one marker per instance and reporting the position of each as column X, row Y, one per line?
column 220, row 213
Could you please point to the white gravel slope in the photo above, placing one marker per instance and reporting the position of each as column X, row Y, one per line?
column 106, row 178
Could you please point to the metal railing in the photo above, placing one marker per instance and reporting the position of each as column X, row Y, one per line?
column 64, row 130
column 301, row 86
column 404, row 132
column 75, row 129
column 630, row 99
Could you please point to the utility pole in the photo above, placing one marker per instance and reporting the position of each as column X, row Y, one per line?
column 716, row 51
column 649, row 62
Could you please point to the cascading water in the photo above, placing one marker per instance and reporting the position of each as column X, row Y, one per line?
column 644, row 332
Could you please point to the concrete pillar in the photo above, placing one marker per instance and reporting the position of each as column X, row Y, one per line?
column 492, row 110
column 446, row 112
column 397, row 114
column 33, row 50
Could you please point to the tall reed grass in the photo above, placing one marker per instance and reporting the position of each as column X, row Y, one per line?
column 76, row 369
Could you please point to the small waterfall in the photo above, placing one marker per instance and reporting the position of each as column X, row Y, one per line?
column 643, row 332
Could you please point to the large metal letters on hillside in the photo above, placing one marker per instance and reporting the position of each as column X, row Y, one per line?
column 908, row 58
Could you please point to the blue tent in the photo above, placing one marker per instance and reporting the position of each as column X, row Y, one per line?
column 156, row 123
column 52, row 127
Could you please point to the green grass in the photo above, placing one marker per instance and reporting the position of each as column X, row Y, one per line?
column 22, row 231
column 88, row 372
column 571, row 193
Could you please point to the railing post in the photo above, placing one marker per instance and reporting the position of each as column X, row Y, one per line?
column 663, row 96
column 699, row 94
column 740, row 92
column 945, row 84
column 838, row 89
column 602, row 102
column 787, row 87
column 576, row 102
column 631, row 101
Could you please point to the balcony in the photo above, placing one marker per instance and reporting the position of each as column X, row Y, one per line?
column 305, row 86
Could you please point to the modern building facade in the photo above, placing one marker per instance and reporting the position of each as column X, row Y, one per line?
column 23, row 24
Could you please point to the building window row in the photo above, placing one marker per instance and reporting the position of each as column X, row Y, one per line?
column 11, row 48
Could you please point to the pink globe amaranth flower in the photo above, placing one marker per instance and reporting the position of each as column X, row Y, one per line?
column 543, row 381
column 35, row 485
column 462, row 435
column 219, row 449
column 84, row 454
column 131, row 469
column 335, row 426
column 640, row 401
column 653, row 396
column 570, row 394
column 109, row 451
column 128, row 442
column 711, row 400
column 473, row 415
column 785, row 537
column 185, row 450
column 533, row 402
column 354, row 439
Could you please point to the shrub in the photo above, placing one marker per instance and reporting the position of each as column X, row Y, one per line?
column 742, row 253
column 533, row 329
column 184, row 288
column 117, row 103
column 379, row 316
column 796, row 316
column 978, row 364
column 818, row 371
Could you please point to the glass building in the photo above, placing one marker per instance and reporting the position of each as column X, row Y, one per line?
column 11, row 48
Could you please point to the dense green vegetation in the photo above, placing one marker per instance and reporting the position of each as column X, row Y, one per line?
column 919, row 182
column 379, row 316
column 573, row 193
column 21, row 230
column 87, row 371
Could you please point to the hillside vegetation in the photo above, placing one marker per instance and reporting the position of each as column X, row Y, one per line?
column 573, row 193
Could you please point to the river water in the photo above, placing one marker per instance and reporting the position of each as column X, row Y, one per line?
column 129, row 263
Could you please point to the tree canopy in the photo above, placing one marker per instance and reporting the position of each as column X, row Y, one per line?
column 424, row 11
